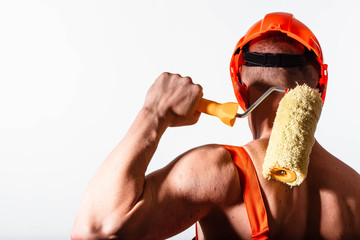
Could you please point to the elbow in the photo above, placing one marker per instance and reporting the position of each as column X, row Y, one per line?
column 83, row 233
column 90, row 232
column 106, row 224
column 76, row 234
column 92, row 226
column 109, row 230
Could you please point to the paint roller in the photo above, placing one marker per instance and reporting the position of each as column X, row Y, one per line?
column 292, row 137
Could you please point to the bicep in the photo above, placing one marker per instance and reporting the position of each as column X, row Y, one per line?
column 178, row 195
column 166, row 206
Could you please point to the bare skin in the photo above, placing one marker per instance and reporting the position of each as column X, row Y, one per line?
column 202, row 185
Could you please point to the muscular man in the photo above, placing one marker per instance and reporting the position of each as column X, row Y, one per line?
column 209, row 185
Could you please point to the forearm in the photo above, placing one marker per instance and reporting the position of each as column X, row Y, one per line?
column 119, row 182
column 124, row 169
column 113, row 194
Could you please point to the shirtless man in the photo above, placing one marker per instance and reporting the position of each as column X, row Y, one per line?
column 204, row 186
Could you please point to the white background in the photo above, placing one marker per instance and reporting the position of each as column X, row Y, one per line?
column 73, row 75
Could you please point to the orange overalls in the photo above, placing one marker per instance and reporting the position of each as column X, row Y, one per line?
column 251, row 193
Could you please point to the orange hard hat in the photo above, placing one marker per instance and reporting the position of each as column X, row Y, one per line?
column 293, row 28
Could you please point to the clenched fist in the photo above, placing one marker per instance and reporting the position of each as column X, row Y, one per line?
column 174, row 99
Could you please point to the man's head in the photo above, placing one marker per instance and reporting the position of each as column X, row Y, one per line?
column 277, row 51
column 285, row 77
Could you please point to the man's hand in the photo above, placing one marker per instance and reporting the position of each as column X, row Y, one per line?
column 174, row 99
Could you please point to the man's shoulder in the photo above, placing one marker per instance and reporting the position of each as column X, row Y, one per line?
column 212, row 157
column 210, row 152
column 215, row 154
column 210, row 170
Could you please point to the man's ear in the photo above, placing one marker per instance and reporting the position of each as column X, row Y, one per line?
column 242, row 90
column 321, row 88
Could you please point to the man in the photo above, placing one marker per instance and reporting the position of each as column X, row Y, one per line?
column 209, row 185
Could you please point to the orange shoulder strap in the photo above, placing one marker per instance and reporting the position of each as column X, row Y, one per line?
column 251, row 193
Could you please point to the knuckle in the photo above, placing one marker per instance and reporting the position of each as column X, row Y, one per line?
column 174, row 77
column 177, row 77
column 165, row 74
column 198, row 88
column 163, row 77
column 186, row 80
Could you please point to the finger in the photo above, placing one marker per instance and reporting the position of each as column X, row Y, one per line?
column 196, row 116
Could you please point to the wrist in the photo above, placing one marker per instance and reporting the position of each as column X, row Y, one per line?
column 150, row 118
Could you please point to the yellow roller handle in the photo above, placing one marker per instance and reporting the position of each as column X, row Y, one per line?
column 226, row 112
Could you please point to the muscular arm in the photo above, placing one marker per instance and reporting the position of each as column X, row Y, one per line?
column 120, row 201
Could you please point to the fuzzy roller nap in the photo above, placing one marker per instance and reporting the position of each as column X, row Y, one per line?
column 292, row 137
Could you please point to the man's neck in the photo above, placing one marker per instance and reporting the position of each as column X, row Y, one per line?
column 261, row 121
